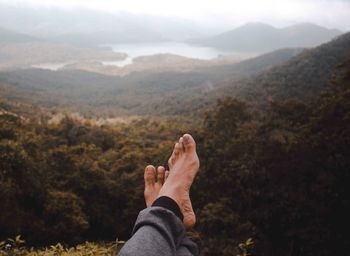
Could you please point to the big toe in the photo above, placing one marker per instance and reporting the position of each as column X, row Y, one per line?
column 150, row 175
column 189, row 143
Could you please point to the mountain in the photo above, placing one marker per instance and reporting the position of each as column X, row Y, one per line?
column 299, row 78
column 260, row 37
column 139, row 93
column 89, row 27
column 7, row 36
column 262, row 62
column 280, row 75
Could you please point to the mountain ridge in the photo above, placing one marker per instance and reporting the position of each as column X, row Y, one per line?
column 300, row 78
column 91, row 27
column 8, row 36
column 284, row 74
column 140, row 93
column 261, row 37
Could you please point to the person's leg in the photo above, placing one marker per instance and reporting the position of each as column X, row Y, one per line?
column 184, row 165
column 187, row 248
column 154, row 181
column 159, row 229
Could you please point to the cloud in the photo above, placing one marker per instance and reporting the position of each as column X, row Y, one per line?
column 329, row 13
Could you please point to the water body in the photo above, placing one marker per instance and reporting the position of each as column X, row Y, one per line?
column 51, row 66
column 149, row 49
column 182, row 49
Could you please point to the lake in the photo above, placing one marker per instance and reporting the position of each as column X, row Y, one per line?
column 51, row 66
column 176, row 48
column 148, row 49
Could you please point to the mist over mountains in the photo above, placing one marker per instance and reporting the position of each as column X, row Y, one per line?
column 7, row 36
column 261, row 37
column 89, row 27
column 86, row 27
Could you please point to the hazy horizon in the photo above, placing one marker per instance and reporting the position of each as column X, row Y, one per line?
column 217, row 16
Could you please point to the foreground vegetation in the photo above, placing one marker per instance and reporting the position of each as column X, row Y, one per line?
column 16, row 247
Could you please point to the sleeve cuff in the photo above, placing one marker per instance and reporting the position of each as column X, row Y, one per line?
column 170, row 204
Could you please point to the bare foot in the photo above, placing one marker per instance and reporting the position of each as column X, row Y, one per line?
column 154, row 180
column 183, row 164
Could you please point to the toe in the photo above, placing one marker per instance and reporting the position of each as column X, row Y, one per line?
column 172, row 159
column 150, row 175
column 189, row 143
column 166, row 175
column 177, row 149
column 171, row 162
column 160, row 175
column 181, row 145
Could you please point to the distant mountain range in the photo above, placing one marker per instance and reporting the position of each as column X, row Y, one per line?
column 89, row 27
column 7, row 36
column 139, row 93
column 260, row 37
column 300, row 78
column 277, row 76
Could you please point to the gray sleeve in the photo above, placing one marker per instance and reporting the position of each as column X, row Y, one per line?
column 158, row 231
column 187, row 248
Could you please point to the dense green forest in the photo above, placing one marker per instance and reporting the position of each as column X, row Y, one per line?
column 279, row 75
column 279, row 176
column 139, row 93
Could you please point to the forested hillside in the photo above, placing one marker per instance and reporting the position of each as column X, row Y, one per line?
column 301, row 77
column 74, row 181
column 139, row 93
column 282, row 175
column 170, row 93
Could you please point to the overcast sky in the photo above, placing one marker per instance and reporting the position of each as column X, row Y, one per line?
column 227, row 13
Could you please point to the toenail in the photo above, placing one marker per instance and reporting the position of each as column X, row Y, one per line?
column 186, row 138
